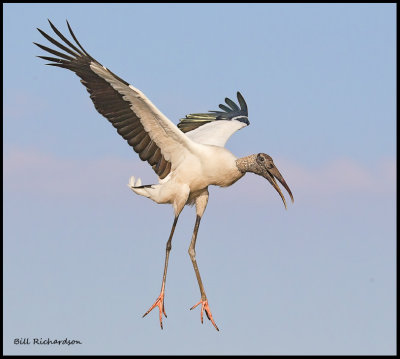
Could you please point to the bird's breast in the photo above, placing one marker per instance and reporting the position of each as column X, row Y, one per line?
column 215, row 166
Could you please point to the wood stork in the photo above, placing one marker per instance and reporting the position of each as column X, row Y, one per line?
column 187, row 158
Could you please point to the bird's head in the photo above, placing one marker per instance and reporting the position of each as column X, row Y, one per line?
column 263, row 165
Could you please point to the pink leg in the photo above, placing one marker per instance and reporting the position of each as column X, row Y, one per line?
column 204, row 306
column 160, row 300
column 160, row 304
column 203, row 301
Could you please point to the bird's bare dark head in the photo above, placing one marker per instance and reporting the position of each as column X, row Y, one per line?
column 266, row 168
column 264, row 160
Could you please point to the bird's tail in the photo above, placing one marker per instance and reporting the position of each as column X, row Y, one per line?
column 138, row 188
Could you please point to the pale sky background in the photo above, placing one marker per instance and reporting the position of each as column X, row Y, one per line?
column 83, row 255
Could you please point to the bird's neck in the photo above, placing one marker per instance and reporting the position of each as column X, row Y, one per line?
column 246, row 164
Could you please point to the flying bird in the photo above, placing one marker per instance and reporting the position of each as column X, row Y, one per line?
column 187, row 158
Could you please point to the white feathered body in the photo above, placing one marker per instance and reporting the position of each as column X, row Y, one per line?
column 210, row 165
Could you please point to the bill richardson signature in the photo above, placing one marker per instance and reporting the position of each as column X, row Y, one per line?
column 45, row 341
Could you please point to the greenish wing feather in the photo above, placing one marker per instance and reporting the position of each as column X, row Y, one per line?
column 195, row 120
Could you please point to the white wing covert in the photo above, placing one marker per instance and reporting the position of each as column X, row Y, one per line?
column 215, row 127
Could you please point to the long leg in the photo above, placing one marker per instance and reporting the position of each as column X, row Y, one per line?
column 180, row 194
column 201, row 203
column 160, row 300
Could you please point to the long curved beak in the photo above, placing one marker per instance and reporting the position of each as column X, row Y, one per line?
column 273, row 173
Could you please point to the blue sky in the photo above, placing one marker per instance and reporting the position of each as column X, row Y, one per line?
column 83, row 255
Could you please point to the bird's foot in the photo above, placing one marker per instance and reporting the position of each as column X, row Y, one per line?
column 204, row 306
column 160, row 304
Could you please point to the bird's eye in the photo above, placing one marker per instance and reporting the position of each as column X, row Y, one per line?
column 261, row 159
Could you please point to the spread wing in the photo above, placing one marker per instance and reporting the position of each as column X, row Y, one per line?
column 152, row 135
column 215, row 127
